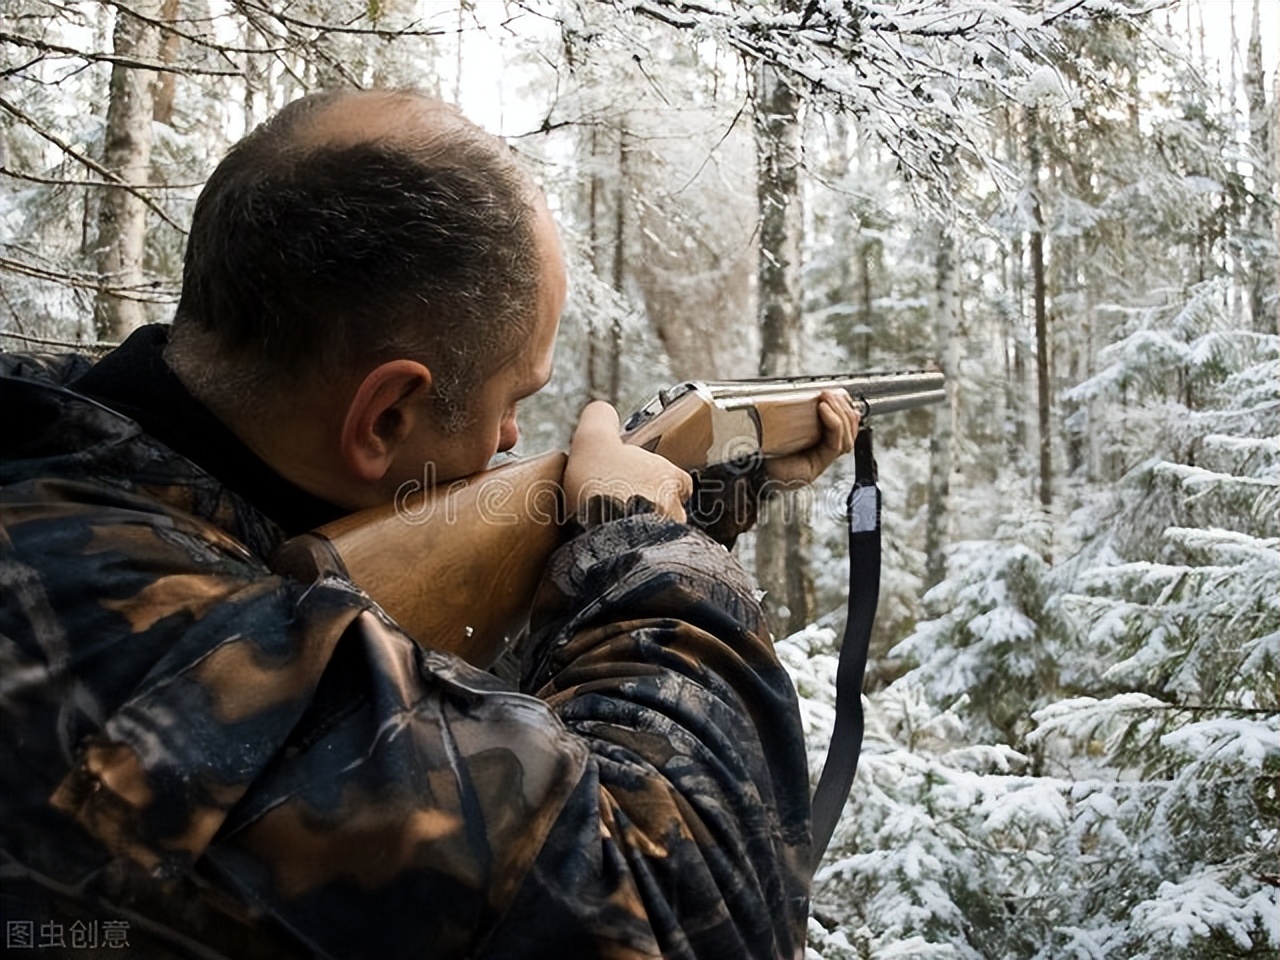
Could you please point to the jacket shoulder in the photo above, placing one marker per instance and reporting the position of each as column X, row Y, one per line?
column 56, row 368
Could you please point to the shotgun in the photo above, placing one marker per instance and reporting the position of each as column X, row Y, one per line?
column 456, row 565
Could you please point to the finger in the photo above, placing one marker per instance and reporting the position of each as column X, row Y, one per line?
column 841, row 430
column 598, row 418
column 674, row 509
column 833, row 424
column 686, row 484
column 680, row 488
column 848, row 406
column 672, row 492
column 852, row 416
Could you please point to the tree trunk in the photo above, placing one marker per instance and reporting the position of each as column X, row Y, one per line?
column 782, row 535
column 122, row 219
column 166, row 83
column 257, row 69
column 1262, row 269
column 1273, row 164
column 941, row 441
column 595, row 191
column 607, row 235
column 866, row 313
column 1014, row 317
column 1039, row 296
column 1072, row 334
column 619, row 265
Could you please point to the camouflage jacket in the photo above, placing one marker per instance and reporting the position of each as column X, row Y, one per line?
column 201, row 759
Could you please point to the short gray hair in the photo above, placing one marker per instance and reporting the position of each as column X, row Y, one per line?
column 309, row 254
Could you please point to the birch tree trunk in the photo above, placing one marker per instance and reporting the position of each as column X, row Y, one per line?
column 122, row 218
column 257, row 79
column 595, row 197
column 941, row 442
column 1262, row 269
column 166, row 86
column 783, row 536
column 1014, row 322
column 607, row 228
column 1040, row 296
column 1273, row 164
column 95, row 108
column 619, row 263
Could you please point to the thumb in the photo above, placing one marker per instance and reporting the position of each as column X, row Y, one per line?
column 598, row 419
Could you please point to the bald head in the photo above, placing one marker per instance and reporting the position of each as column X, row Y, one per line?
column 352, row 228
column 401, row 117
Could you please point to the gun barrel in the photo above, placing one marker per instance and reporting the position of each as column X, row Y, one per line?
column 866, row 385
column 901, row 401
column 875, row 393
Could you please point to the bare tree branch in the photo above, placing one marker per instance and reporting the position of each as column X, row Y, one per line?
column 70, row 345
column 90, row 163
column 159, row 67
column 106, row 184
column 222, row 49
column 154, row 291
column 385, row 33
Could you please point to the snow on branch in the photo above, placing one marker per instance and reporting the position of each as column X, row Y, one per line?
column 1182, row 913
column 1083, row 719
column 915, row 73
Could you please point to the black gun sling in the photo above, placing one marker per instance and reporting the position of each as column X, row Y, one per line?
column 863, row 518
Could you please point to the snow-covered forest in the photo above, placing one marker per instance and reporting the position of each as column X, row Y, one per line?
column 1070, row 207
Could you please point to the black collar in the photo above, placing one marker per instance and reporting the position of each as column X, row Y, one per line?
column 134, row 380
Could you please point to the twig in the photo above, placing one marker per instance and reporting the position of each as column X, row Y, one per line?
column 382, row 32
column 151, row 292
column 195, row 38
column 99, row 347
column 55, row 182
column 158, row 66
column 90, row 163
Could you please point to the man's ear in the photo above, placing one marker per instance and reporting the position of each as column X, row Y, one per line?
column 383, row 413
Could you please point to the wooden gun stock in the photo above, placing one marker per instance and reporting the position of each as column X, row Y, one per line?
column 457, row 565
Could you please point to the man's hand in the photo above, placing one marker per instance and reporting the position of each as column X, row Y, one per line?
column 839, row 429
column 601, row 464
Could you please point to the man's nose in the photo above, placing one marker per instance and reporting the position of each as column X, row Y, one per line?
column 508, row 435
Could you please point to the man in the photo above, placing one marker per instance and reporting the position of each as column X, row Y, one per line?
column 215, row 761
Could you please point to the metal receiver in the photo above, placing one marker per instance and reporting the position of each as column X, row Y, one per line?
column 697, row 422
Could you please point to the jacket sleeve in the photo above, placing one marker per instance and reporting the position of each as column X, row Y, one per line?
column 688, row 834
column 290, row 746
column 268, row 753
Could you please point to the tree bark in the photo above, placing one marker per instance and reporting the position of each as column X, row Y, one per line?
column 257, row 96
column 122, row 218
column 619, row 264
column 607, row 228
column 595, row 191
column 783, row 536
column 941, row 441
column 1040, row 297
column 1014, row 318
column 866, row 310
column 166, row 83
column 1262, row 269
